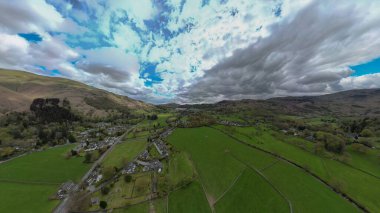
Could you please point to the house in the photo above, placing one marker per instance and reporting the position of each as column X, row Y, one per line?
column 94, row 201
column 65, row 189
column 129, row 169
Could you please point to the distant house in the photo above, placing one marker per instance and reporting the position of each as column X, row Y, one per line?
column 94, row 201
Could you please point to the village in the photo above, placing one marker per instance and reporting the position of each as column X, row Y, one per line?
column 148, row 160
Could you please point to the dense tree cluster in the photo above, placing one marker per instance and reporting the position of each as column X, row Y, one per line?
column 49, row 110
column 330, row 142
column 152, row 117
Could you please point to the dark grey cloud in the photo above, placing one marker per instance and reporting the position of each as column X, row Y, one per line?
column 115, row 74
column 307, row 54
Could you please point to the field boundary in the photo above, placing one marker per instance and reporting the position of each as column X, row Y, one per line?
column 269, row 166
column 268, row 181
column 230, row 187
column 344, row 195
column 29, row 182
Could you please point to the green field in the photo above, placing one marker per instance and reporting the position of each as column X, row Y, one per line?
column 49, row 166
column 209, row 152
column 219, row 160
column 124, row 152
column 180, row 169
column 29, row 181
column 157, row 206
column 189, row 199
column 251, row 191
column 138, row 208
column 123, row 194
column 26, row 198
column 347, row 178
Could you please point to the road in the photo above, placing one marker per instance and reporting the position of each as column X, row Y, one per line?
column 64, row 205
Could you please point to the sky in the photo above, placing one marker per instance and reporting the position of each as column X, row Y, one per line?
column 197, row 51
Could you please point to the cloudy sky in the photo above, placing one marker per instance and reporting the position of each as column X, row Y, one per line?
column 191, row 51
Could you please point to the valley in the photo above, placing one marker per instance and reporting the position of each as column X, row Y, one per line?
column 222, row 157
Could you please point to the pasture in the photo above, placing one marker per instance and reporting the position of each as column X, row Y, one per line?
column 48, row 166
column 189, row 199
column 124, row 152
column 355, row 177
column 220, row 160
column 29, row 181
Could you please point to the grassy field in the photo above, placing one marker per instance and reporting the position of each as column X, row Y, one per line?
column 369, row 161
column 251, row 191
column 142, row 185
column 219, row 160
column 138, row 208
column 122, row 193
column 25, row 198
column 189, row 199
column 157, row 206
column 347, row 178
column 48, row 166
column 138, row 134
column 124, row 152
column 119, row 194
column 180, row 169
column 29, row 181
column 305, row 193
column 209, row 152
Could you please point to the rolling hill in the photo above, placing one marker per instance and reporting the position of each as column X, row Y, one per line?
column 18, row 89
column 364, row 102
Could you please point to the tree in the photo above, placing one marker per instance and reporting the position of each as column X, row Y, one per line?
column 66, row 104
column 103, row 204
column 88, row 157
column 331, row 142
column 128, row 178
column 108, row 172
column 366, row 133
column 105, row 190
column 72, row 138
column 74, row 152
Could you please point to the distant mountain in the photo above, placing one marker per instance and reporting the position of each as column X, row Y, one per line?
column 18, row 89
column 365, row 102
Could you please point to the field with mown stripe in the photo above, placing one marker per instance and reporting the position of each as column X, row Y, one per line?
column 220, row 160
column 352, row 177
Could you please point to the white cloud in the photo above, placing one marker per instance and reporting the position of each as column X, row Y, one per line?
column 17, row 53
column 22, row 16
column 361, row 82
column 126, row 38
column 305, row 54
column 238, row 49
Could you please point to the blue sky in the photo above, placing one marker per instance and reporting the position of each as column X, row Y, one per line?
column 370, row 67
column 196, row 51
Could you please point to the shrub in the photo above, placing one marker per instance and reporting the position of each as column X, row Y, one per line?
column 331, row 142
column 366, row 133
column 103, row 204
column 108, row 172
column 128, row 178
column 105, row 190
column 88, row 157
column 74, row 152
column 71, row 138
column 359, row 148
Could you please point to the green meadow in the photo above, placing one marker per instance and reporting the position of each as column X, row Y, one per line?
column 355, row 177
column 189, row 199
column 48, row 166
column 226, row 167
column 124, row 152
column 27, row 183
